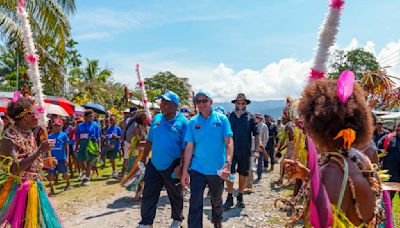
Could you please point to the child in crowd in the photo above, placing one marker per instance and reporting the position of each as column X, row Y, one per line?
column 61, row 153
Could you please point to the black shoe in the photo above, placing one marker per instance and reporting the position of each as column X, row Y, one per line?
column 228, row 203
column 240, row 203
column 217, row 225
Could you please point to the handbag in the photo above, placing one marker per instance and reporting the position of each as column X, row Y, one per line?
column 110, row 145
column 92, row 147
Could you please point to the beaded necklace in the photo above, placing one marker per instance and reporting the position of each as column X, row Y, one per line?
column 371, row 175
column 24, row 144
column 298, row 205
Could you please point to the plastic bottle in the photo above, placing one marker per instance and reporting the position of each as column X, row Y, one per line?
column 231, row 177
column 173, row 175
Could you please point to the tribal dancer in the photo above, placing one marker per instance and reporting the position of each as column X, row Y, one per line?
column 23, row 200
column 337, row 119
column 136, row 150
column 286, row 139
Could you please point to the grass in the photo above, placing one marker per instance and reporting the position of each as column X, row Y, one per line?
column 101, row 187
column 396, row 210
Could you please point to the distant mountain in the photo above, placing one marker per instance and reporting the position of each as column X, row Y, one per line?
column 270, row 107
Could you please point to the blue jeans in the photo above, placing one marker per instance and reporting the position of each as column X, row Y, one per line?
column 154, row 180
column 198, row 183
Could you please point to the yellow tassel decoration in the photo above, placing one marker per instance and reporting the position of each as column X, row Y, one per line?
column 31, row 216
column 4, row 191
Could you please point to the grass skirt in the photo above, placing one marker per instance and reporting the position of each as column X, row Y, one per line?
column 24, row 203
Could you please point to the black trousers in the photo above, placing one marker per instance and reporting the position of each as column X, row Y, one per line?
column 198, row 183
column 154, row 180
column 271, row 155
column 393, row 165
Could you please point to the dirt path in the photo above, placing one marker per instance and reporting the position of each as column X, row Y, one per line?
column 115, row 207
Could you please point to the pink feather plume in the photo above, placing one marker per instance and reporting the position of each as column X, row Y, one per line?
column 315, row 74
column 345, row 85
column 31, row 58
column 337, row 4
column 15, row 96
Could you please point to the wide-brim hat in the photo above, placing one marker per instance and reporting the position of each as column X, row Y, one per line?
column 241, row 96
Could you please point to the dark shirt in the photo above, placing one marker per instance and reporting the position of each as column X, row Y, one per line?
column 273, row 133
column 243, row 128
column 378, row 136
column 391, row 161
column 393, row 148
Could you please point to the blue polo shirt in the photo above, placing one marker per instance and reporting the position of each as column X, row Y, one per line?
column 116, row 131
column 167, row 141
column 58, row 150
column 208, row 136
column 88, row 130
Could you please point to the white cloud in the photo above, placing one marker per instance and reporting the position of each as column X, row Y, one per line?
column 92, row 36
column 390, row 56
column 276, row 80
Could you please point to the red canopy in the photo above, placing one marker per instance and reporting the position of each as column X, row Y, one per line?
column 3, row 104
column 67, row 105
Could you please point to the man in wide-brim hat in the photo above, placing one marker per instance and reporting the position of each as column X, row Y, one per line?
column 242, row 97
column 244, row 126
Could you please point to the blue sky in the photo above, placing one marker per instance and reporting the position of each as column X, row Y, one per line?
column 225, row 45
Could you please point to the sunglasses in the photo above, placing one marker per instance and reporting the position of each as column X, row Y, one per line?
column 201, row 101
column 240, row 103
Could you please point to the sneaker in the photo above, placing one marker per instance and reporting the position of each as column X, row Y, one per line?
column 67, row 188
column 80, row 175
column 217, row 225
column 249, row 190
column 228, row 203
column 176, row 224
column 240, row 203
column 85, row 182
column 145, row 226
column 114, row 175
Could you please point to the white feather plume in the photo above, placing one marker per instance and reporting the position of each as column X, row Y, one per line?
column 33, row 66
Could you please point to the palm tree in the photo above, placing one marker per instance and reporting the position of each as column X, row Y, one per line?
column 380, row 89
column 93, row 82
column 11, row 69
column 51, row 30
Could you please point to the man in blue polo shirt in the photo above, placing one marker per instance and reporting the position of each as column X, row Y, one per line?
column 165, row 140
column 208, row 151
column 88, row 144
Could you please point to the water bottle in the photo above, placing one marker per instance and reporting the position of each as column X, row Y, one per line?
column 231, row 177
column 173, row 175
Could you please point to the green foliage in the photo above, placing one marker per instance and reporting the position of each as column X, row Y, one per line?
column 357, row 60
column 167, row 81
column 51, row 31
column 95, row 83
column 11, row 65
